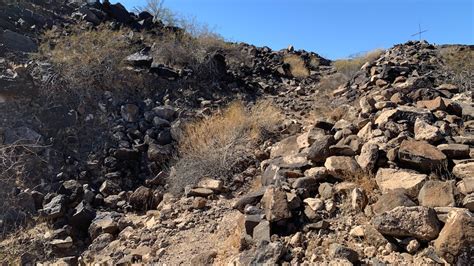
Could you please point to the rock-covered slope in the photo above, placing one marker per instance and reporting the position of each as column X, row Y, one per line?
column 388, row 180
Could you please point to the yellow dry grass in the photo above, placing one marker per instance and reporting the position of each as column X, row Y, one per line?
column 91, row 59
column 236, row 125
column 297, row 66
column 222, row 145
column 350, row 66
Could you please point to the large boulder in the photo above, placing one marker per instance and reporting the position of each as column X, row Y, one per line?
column 319, row 150
column 55, row 208
column 456, row 237
column 390, row 200
column 368, row 156
column 403, row 113
column 464, row 170
column 421, row 155
column 418, row 222
column 144, row 198
column 275, row 203
column 437, row 194
column 285, row 147
column 252, row 198
column 392, row 179
column 104, row 222
column 454, row 151
column 425, row 131
column 17, row 42
column 341, row 166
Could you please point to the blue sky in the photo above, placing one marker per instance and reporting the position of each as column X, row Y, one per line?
column 331, row 28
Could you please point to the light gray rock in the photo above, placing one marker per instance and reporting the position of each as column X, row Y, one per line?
column 437, row 194
column 418, row 222
column 392, row 179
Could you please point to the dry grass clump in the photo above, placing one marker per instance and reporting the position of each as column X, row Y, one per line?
column 459, row 62
column 365, row 181
column 91, row 59
column 349, row 67
column 181, row 49
column 297, row 65
column 25, row 247
column 221, row 145
column 323, row 107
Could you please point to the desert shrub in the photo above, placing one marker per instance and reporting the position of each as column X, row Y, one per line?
column 159, row 12
column 16, row 160
column 217, row 146
column 349, row 67
column 91, row 59
column 191, row 48
column 26, row 246
column 297, row 65
column 459, row 62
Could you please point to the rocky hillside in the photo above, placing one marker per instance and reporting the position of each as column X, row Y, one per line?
column 127, row 141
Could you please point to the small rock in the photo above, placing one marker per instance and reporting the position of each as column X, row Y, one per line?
column 338, row 251
column 326, row 191
column 319, row 150
column 199, row 192
column 55, row 208
column 358, row 199
column 199, row 203
column 62, row 243
column 368, row 156
column 213, row 184
column 129, row 112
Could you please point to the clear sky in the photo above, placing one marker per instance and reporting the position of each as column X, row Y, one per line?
column 331, row 28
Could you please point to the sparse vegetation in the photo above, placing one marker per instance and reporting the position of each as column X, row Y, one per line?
column 217, row 146
column 350, row 66
column 297, row 66
column 323, row 107
column 91, row 59
column 459, row 63
column 160, row 12
column 15, row 160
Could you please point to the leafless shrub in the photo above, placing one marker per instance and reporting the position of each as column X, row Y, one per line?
column 159, row 12
column 28, row 244
column 459, row 63
column 14, row 159
column 218, row 146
